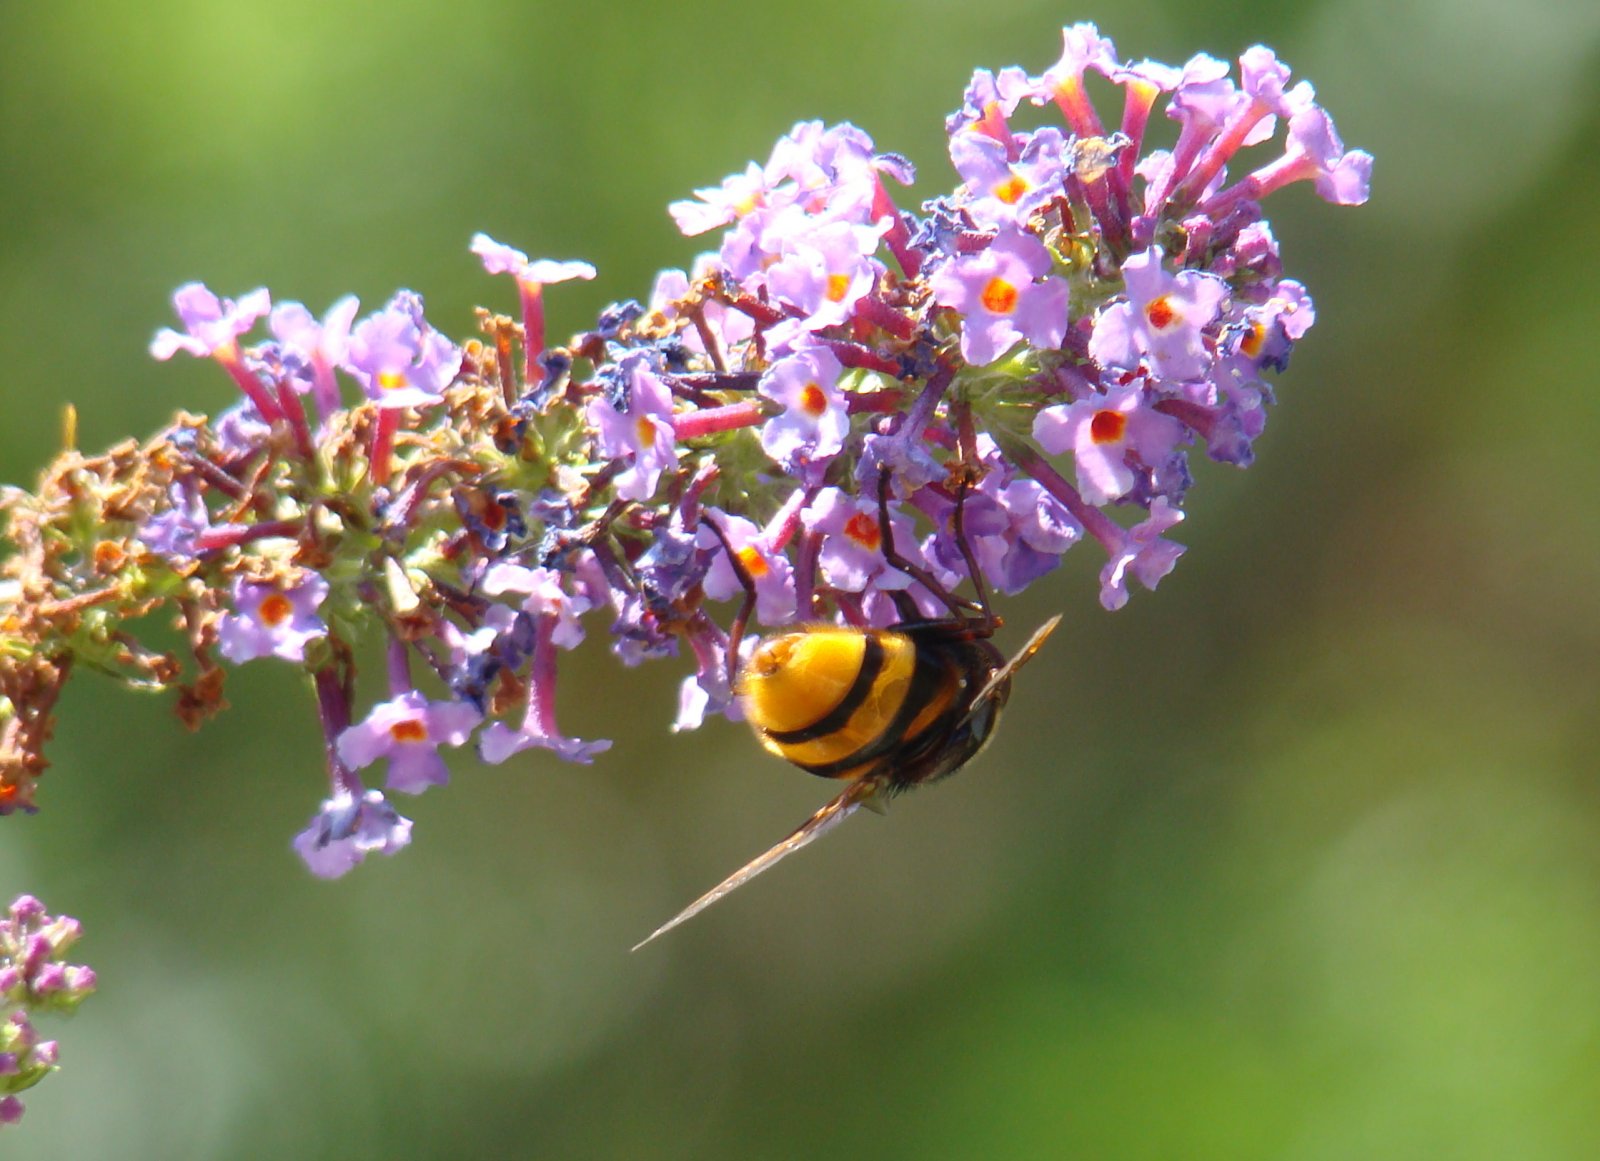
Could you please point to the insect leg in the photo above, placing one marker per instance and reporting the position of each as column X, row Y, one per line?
column 966, row 553
column 902, row 600
column 746, row 607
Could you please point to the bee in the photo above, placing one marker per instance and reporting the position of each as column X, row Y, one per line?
column 883, row 710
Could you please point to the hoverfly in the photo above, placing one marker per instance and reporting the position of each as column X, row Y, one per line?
column 881, row 709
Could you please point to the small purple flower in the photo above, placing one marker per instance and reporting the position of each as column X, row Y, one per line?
column 833, row 167
column 1316, row 154
column 1016, row 529
column 499, row 741
column 1103, row 433
column 1039, row 529
column 408, row 730
column 498, row 258
column 26, row 911
column 641, row 429
column 546, row 597
column 271, row 621
column 1082, row 47
column 749, row 250
column 814, row 422
column 694, row 701
column 904, row 452
column 1002, row 304
column 34, row 978
column 1229, row 411
column 532, row 277
column 1263, row 76
column 321, row 345
column 769, row 570
column 727, row 327
column 346, row 829
column 213, row 324
column 738, row 195
column 174, row 530
column 1142, row 82
column 1203, row 101
column 475, row 659
column 1260, row 336
column 33, row 945
column 1314, row 150
column 399, row 360
column 988, row 103
column 50, row 978
column 706, row 690
column 815, row 173
column 824, row 274
column 240, row 429
column 851, row 557
column 1143, row 553
column 1003, row 189
column 80, row 978
column 1162, row 320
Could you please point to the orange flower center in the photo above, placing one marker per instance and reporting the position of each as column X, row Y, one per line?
column 813, row 401
column 754, row 563
column 276, row 609
column 1011, row 190
column 1160, row 313
column 999, row 296
column 864, row 530
column 838, row 287
column 644, row 431
column 1250, row 345
column 392, row 380
column 409, row 730
column 1107, row 426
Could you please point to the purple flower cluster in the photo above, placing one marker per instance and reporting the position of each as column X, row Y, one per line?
column 1014, row 362
column 33, row 978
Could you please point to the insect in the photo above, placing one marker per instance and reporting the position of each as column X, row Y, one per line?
column 880, row 709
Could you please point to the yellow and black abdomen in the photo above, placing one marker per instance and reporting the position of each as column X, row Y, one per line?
column 843, row 703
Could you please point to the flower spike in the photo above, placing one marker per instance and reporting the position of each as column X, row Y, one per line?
column 839, row 412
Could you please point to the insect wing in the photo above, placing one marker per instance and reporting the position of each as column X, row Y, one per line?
column 852, row 799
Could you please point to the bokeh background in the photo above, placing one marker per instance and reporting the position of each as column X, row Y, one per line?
column 1296, row 858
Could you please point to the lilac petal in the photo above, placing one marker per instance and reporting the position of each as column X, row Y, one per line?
column 344, row 831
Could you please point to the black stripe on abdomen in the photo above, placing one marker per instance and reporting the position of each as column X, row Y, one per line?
column 835, row 719
column 928, row 676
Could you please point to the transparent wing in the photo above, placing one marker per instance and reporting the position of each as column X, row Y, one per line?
column 853, row 798
column 1003, row 674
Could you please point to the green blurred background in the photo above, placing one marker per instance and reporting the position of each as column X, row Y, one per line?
column 1297, row 858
